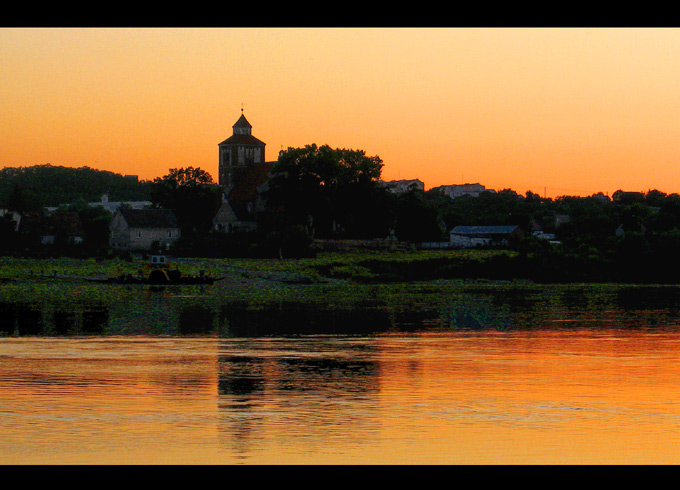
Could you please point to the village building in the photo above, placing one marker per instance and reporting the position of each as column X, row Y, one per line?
column 243, row 174
column 139, row 229
column 402, row 186
column 113, row 206
column 225, row 219
column 484, row 236
column 456, row 190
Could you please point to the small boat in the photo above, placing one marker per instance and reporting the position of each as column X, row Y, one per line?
column 158, row 272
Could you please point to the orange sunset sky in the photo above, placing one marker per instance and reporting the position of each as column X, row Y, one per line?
column 560, row 111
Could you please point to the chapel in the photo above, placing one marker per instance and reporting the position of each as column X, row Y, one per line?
column 238, row 152
column 243, row 174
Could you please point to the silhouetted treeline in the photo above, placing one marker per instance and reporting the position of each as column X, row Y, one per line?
column 30, row 188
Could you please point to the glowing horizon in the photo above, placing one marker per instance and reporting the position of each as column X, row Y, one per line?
column 554, row 111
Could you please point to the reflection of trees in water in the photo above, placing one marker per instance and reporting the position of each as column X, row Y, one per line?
column 170, row 311
column 409, row 320
column 20, row 318
column 649, row 306
column 649, row 297
column 195, row 320
column 294, row 318
column 568, row 306
column 277, row 384
column 28, row 319
column 556, row 306
column 338, row 375
column 95, row 320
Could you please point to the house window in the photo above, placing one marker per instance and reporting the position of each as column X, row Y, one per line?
column 169, row 233
column 139, row 233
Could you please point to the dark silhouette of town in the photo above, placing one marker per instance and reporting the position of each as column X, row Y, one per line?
column 319, row 198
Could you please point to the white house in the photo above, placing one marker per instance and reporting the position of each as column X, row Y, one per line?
column 484, row 236
column 457, row 190
column 138, row 229
column 113, row 206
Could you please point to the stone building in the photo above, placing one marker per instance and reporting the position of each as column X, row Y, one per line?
column 137, row 229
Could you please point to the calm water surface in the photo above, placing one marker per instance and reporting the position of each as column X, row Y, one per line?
column 601, row 387
column 548, row 397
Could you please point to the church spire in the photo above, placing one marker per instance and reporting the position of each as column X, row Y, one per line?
column 242, row 126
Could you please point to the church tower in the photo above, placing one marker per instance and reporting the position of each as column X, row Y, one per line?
column 238, row 152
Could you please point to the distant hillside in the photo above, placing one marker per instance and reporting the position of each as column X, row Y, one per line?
column 48, row 185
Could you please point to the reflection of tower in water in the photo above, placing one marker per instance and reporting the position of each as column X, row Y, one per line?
column 240, row 385
column 296, row 390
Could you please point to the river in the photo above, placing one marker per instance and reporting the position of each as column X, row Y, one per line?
column 589, row 378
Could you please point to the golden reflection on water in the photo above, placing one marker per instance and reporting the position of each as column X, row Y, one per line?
column 583, row 396
column 541, row 397
column 117, row 400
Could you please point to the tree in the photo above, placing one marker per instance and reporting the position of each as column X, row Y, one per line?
column 317, row 187
column 95, row 222
column 189, row 193
column 50, row 185
column 633, row 216
column 655, row 197
column 417, row 220
column 21, row 200
column 16, row 201
column 9, row 244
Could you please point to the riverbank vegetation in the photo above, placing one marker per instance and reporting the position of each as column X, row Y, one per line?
column 356, row 266
column 539, row 263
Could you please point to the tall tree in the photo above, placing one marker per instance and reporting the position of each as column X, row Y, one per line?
column 16, row 201
column 311, row 186
column 417, row 219
column 189, row 192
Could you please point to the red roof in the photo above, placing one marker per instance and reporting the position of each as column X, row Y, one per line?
column 247, row 182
